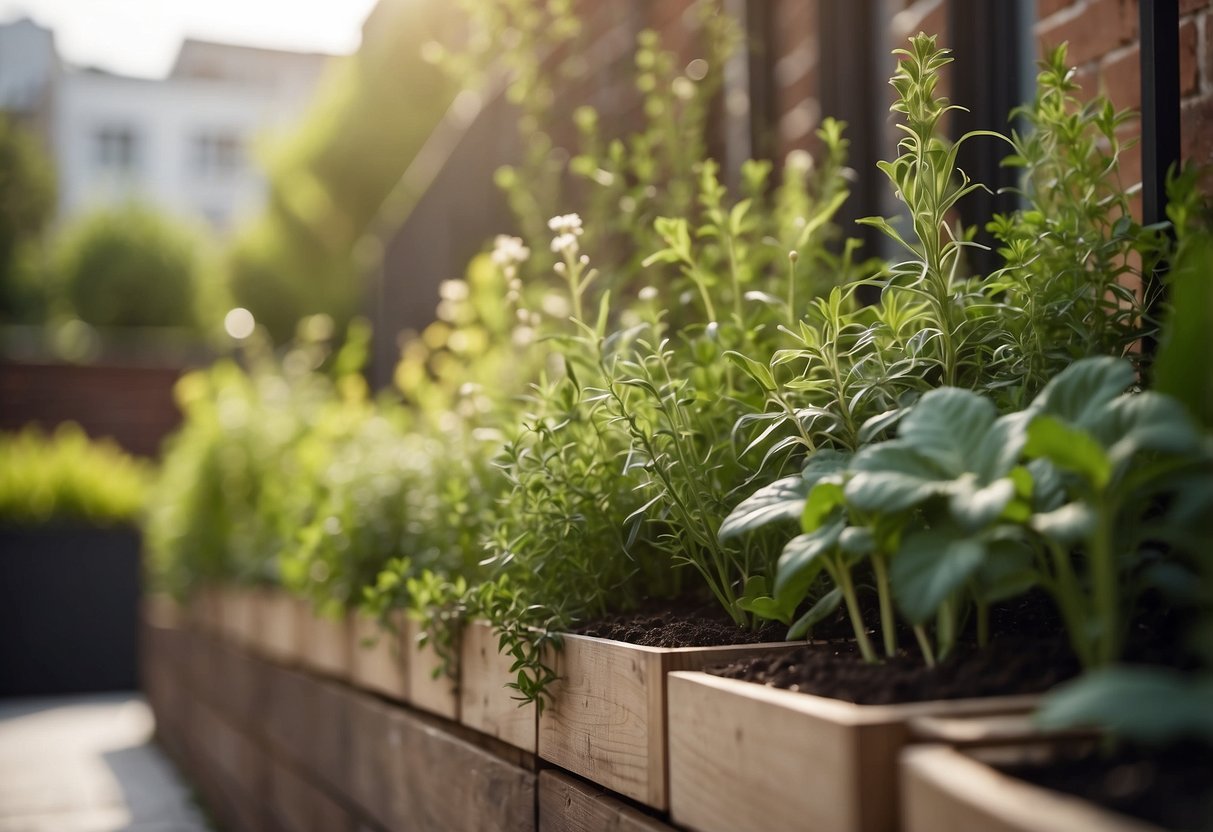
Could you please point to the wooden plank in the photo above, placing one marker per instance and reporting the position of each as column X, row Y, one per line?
column 485, row 703
column 325, row 647
column 280, row 636
column 729, row 739
column 567, row 804
column 298, row 805
column 429, row 689
column 239, row 611
column 607, row 718
column 411, row 772
column 945, row 790
column 377, row 661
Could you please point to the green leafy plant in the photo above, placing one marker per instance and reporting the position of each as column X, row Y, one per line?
column 65, row 477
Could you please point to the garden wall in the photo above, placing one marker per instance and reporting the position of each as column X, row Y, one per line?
column 273, row 747
column 131, row 404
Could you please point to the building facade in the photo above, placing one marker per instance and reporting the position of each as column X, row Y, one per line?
column 183, row 143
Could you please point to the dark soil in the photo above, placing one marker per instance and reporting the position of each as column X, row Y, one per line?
column 1028, row 653
column 685, row 623
column 1006, row 666
column 1173, row 789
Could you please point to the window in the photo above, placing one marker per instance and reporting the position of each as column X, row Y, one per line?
column 116, row 149
column 217, row 155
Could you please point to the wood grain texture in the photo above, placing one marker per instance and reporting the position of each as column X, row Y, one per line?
column 411, row 773
column 607, row 718
column 240, row 618
column 436, row 694
column 325, row 645
column 377, row 661
column 727, row 736
column 280, row 635
column 485, row 703
column 567, row 804
column 946, row 790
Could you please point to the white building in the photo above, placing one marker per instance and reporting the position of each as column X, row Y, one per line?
column 183, row 143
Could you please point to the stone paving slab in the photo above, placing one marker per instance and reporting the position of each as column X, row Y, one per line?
column 87, row 764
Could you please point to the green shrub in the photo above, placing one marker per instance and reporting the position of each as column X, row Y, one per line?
column 27, row 201
column 129, row 266
column 68, row 478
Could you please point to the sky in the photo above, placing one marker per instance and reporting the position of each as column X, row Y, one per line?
column 141, row 37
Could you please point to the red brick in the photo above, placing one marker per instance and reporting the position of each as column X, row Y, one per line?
column 1187, row 7
column 1196, row 131
column 1093, row 30
column 1046, row 8
column 1189, row 62
column 1120, row 78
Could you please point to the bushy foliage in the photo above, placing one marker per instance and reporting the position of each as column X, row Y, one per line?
column 27, row 202
column 129, row 266
column 65, row 477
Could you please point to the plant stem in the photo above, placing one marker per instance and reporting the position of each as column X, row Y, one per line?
column 945, row 628
column 1106, row 588
column 886, row 604
column 924, row 644
column 861, row 633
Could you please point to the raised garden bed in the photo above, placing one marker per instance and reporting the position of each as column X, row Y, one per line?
column 608, row 716
column 947, row 790
column 485, row 703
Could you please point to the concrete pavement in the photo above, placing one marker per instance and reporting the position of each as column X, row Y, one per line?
column 87, row 764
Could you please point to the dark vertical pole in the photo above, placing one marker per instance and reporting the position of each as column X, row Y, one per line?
column 849, row 34
column 1159, row 132
column 987, row 75
column 1159, row 103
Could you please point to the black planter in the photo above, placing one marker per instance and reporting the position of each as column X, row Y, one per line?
column 69, row 609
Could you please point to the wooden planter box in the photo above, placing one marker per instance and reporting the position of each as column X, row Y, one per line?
column 325, row 646
column 437, row 694
column 377, row 661
column 607, row 717
column 485, row 703
column 240, row 615
column 280, row 630
column 947, row 790
column 748, row 756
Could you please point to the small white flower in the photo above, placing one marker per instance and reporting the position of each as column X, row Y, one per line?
column 566, row 224
column 712, row 330
column 522, row 315
column 523, row 335
column 648, row 293
column 453, row 290
column 509, row 251
column 565, row 244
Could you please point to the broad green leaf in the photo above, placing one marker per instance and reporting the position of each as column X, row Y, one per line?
column 892, row 477
column 1146, row 422
column 1069, row 448
column 1068, row 525
column 947, row 425
column 803, row 559
column 931, row 565
column 1007, row 571
column 1081, row 390
column 825, row 606
column 1144, row 704
column 823, row 500
column 975, row 506
column 781, row 500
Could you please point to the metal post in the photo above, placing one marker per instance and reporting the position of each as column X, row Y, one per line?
column 1159, row 131
column 1159, row 103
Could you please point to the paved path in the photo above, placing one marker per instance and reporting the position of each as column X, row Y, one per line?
column 87, row 764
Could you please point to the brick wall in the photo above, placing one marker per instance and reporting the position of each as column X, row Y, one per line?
column 133, row 405
column 1103, row 45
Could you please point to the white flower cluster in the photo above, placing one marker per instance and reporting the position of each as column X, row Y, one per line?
column 508, row 253
column 567, row 228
